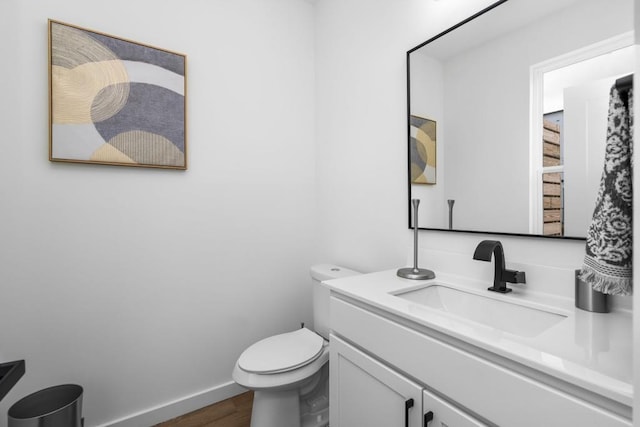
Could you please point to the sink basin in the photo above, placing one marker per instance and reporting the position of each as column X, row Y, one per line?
column 505, row 316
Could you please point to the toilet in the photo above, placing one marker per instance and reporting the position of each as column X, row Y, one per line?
column 289, row 372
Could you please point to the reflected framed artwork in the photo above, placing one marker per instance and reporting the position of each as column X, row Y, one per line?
column 422, row 150
column 115, row 102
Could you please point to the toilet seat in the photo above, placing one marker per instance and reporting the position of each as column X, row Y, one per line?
column 277, row 382
column 282, row 353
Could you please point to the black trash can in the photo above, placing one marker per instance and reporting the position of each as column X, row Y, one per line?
column 59, row 406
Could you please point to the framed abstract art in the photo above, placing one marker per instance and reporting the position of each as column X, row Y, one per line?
column 422, row 150
column 114, row 101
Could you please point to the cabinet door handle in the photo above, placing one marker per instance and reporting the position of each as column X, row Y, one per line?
column 428, row 417
column 407, row 405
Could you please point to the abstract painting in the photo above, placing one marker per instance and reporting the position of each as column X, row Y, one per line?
column 423, row 150
column 115, row 102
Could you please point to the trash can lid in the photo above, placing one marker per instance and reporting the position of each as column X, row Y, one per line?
column 45, row 401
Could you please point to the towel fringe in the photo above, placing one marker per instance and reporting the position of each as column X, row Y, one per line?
column 606, row 284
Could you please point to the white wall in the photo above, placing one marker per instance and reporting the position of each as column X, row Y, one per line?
column 145, row 285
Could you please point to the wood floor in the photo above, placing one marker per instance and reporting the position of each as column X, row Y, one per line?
column 233, row 412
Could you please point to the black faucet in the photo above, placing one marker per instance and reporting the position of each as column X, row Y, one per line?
column 502, row 275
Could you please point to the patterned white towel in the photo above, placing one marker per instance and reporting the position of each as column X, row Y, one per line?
column 608, row 260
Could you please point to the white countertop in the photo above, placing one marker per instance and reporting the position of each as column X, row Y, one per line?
column 590, row 350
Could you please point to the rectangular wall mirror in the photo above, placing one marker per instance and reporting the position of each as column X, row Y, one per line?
column 507, row 116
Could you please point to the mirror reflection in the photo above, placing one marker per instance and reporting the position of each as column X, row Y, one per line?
column 508, row 116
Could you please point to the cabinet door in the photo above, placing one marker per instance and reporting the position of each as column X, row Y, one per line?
column 438, row 413
column 367, row 393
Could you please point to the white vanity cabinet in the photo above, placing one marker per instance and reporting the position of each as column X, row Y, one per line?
column 365, row 392
column 379, row 361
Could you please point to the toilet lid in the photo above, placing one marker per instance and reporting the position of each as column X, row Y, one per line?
column 281, row 353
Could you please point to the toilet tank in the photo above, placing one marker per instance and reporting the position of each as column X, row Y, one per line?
column 319, row 273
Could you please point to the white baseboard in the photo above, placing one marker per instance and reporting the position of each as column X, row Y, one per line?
column 178, row 407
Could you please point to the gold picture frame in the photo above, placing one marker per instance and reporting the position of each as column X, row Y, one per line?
column 113, row 101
